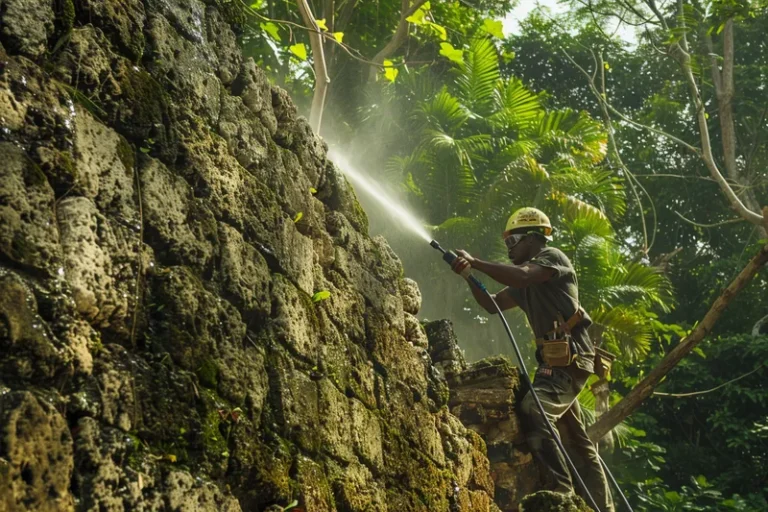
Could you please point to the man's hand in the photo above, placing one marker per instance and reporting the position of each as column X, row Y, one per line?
column 463, row 262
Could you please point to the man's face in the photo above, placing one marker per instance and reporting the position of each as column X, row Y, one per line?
column 515, row 248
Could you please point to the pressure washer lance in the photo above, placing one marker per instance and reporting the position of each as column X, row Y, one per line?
column 449, row 257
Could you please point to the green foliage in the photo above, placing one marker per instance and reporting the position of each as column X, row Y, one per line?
column 321, row 296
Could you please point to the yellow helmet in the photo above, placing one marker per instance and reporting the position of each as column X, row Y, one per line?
column 529, row 218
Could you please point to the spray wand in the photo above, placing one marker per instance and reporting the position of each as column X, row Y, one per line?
column 449, row 257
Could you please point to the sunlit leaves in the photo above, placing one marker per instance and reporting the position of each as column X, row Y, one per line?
column 338, row 36
column 418, row 17
column 449, row 52
column 479, row 76
column 390, row 71
column 321, row 24
column 422, row 19
column 321, row 296
column 494, row 28
column 271, row 29
column 299, row 50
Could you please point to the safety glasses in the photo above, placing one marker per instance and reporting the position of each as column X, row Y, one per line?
column 513, row 240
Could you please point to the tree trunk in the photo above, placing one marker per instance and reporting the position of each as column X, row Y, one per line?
column 398, row 38
column 644, row 389
column 725, row 91
column 321, row 72
column 602, row 391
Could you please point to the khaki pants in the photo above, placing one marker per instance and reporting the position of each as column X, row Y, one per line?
column 557, row 389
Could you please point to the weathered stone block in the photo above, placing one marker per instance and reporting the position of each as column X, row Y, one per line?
column 182, row 61
column 100, row 262
column 414, row 332
column 546, row 501
column 315, row 489
column 184, row 229
column 26, row 25
column 123, row 20
column 295, row 322
column 253, row 86
column 224, row 43
column 244, row 273
column 366, row 435
column 28, row 350
column 294, row 400
column 409, row 290
column 104, row 167
column 35, row 455
column 356, row 490
column 335, row 432
column 29, row 236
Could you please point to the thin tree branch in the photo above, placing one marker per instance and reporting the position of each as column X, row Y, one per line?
column 321, row 71
column 652, row 5
column 684, row 59
column 697, row 393
column 398, row 38
column 352, row 52
column 601, row 99
column 715, row 225
column 759, row 325
column 643, row 390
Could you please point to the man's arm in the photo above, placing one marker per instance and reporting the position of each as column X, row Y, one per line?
column 503, row 299
column 515, row 276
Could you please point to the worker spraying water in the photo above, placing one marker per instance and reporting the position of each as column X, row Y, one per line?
column 542, row 282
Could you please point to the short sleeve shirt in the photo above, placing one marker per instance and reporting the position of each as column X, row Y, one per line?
column 542, row 302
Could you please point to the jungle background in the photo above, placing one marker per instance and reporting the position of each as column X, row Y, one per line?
column 466, row 110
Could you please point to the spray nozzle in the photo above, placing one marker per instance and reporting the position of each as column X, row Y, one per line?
column 449, row 256
column 436, row 245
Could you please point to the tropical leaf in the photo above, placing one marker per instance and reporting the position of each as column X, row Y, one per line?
column 478, row 76
column 626, row 331
column 516, row 106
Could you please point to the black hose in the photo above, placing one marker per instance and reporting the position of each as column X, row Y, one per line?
column 448, row 257
column 615, row 484
column 556, row 437
column 528, row 382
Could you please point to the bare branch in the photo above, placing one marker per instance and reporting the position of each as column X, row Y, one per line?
column 398, row 38
column 643, row 390
column 759, row 326
column 715, row 225
column 684, row 59
column 652, row 5
column 697, row 393
column 321, row 71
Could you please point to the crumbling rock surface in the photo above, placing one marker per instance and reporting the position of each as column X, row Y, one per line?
column 483, row 396
column 546, row 501
column 167, row 223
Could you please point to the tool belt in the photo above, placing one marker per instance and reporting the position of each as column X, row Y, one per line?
column 557, row 347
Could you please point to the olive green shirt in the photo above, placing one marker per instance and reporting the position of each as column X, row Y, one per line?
column 542, row 301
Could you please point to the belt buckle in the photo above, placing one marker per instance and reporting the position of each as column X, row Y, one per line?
column 545, row 371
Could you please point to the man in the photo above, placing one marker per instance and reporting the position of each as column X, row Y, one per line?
column 542, row 282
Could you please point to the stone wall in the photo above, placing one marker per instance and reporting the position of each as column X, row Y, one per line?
column 483, row 396
column 166, row 223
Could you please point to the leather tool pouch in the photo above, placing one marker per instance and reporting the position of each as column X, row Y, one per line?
column 560, row 351
column 557, row 353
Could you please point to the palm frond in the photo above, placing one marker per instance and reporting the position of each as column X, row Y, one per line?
column 443, row 111
column 626, row 331
column 516, row 106
column 478, row 75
